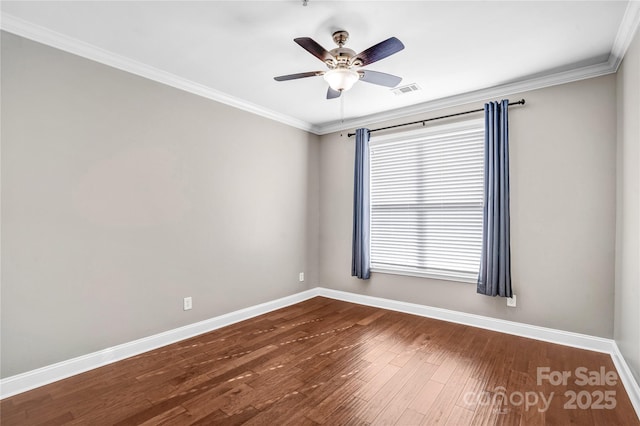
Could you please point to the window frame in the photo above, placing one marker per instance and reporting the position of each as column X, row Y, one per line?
column 413, row 136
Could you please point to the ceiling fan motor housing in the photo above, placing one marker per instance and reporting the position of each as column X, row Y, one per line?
column 343, row 56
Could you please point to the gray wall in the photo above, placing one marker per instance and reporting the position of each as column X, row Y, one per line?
column 563, row 186
column 121, row 196
column 627, row 301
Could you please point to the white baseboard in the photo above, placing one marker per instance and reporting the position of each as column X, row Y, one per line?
column 45, row 375
column 628, row 380
column 51, row 373
column 566, row 338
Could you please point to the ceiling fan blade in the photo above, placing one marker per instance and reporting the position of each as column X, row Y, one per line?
column 299, row 75
column 332, row 94
column 380, row 51
column 380, row 78
column 314, row 48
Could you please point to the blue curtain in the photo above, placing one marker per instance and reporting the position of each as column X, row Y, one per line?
column 360, row 254
column 494, row 278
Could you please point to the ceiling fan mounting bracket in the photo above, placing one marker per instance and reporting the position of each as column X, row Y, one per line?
column 340, row 37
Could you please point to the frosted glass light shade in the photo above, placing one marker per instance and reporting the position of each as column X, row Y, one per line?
column 341, row 79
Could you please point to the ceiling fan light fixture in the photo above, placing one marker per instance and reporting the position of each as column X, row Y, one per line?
column 341, row 79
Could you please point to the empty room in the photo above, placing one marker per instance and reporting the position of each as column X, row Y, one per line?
column 311, row 212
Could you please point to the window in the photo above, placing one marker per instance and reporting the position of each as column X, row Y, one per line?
column 426, row 201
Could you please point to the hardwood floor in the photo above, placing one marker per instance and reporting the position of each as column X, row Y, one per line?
column 329, row 362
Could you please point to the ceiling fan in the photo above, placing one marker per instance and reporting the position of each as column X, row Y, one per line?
column 344, row 63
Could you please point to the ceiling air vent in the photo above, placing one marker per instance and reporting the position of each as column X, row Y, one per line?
column 413, row 87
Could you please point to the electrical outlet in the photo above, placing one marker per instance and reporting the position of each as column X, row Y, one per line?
column 511, row 301
column 187, row 303
column 301, row 276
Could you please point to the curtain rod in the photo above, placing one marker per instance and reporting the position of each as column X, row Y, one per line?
column 520, row 102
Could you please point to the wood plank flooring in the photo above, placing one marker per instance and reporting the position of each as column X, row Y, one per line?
column 324, row 361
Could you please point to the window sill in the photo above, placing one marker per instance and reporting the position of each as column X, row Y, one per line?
column 445, row 277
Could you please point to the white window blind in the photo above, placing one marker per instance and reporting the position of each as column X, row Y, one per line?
column 426, row 201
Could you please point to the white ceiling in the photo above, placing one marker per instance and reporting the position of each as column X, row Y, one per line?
column 231, row 50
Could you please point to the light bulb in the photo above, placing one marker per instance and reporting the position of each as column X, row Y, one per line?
column 341, row 79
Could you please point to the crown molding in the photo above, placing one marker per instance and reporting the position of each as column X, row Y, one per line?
column 22, row 28
column 503, row 90
column 627, row 29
